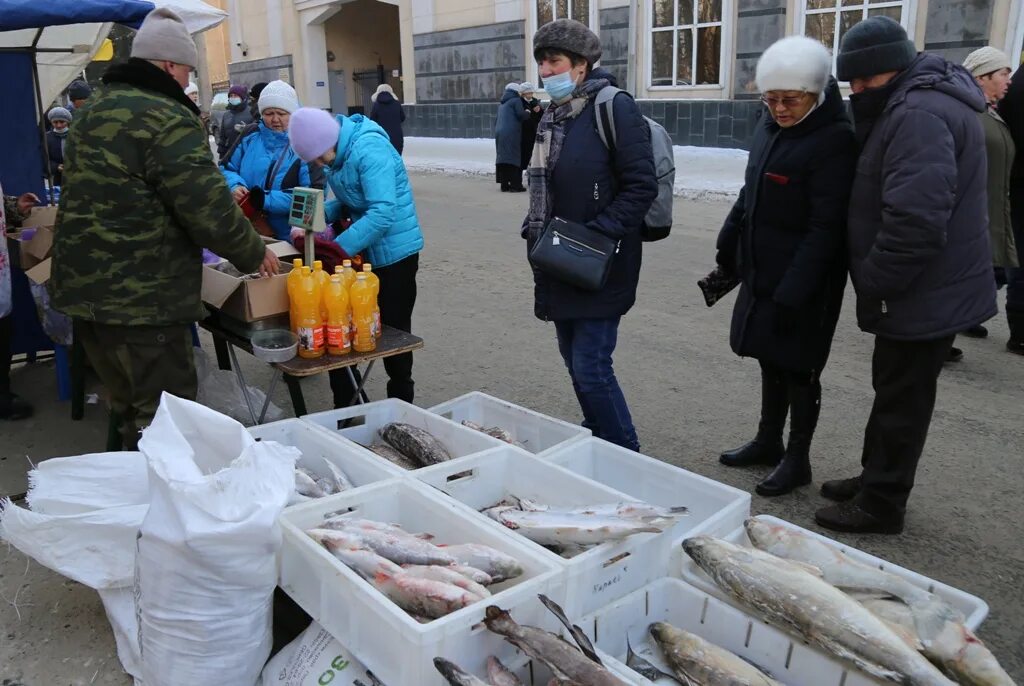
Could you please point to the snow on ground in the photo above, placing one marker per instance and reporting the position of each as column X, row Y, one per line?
column 701, row 173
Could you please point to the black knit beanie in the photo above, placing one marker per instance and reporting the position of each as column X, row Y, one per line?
column 568, row 35
column 874, row 46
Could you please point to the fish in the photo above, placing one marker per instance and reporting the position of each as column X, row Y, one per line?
column 449, row 576
column 498, row 565
column 582, row 640
column 493, row 431
column 306, row 484
column 341, row 480
column 391, row 455
column 477, row 575
column 696, row 661
column 455, row 675
column 415, row 443
column 624, row 509
column 349, row 550
column 930, row 612
column 423, row 597
column 499, row 675
column 345, row 522
column 790, row 596
column 554, row 528
column 645, row 668
column 956, row 649
column 562, row 658
column 398, row 546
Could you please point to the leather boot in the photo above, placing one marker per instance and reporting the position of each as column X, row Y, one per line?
column 767, row 447
column 851, row 517
column 1016, row 342
column 795, row 469
column 841, row 490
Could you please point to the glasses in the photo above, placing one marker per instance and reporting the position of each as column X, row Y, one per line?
column 787, row 102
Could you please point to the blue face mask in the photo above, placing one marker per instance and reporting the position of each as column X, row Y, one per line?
column 560, row 86
column 234, row 102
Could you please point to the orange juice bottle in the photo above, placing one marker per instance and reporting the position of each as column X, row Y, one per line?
column 361, row 296
column 294, row 277
column 310, row 327
column 378, row 326
column 348, row 274
column 322, row 279
column 339, row 316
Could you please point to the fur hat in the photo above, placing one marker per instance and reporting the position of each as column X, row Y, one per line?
column 278, row 95
column 986, row 60
column 382, row 88
column 191, row 88
column 796, row 63
column 874, row 46
column 568, row 35
column 163, row 36
column 527, row 87
column 59, row 114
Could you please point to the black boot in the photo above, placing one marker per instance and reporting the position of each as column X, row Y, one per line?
column 852, row 518
column 795, row 469
column 1016, row 342
column 841, row 490
column 767, row 447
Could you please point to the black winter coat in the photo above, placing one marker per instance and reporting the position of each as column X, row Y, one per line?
column 529, row 131
column 1011, row 109
column 785, row 238
column 388, row 112
column 232, row 123
column 920, row 257
column 55, row 154
column 508, row 129
column 610, row 193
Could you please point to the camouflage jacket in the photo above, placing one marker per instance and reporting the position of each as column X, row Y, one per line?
column 141, row 198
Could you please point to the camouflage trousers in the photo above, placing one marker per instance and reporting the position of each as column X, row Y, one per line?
column 136, row 364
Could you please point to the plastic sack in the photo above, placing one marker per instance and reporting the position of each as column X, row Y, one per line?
column 312, row 659
column 84, row 517
column 206, row 556
column 219, row 390
column 56, row 325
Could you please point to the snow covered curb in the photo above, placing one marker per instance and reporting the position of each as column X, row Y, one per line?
column 701, row 173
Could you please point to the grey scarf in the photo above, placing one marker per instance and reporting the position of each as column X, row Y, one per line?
column 547, row 150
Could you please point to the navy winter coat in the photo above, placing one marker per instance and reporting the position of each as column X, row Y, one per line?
column 388, row 112
column 609, row 192
column 920, row 258
column 508, row 128
column 786, row 238
column 1011, row 109
column 55, row 153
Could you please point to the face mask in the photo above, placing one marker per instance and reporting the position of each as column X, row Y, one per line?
column 62, row 132
column 560, row 86
column 234, row 102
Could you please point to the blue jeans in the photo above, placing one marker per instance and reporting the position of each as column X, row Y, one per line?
column 587, row 346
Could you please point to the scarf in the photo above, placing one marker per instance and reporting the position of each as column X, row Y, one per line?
column 547, row 150
column 867, row 107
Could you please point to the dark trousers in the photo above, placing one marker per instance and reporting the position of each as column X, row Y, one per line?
column 6, row 333
column 795, row 393
column 396, row 301
column 587, row 346
column 1015, row 276
column 905, row 375
column 137, row 364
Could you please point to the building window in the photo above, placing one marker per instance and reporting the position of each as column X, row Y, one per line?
column 549, row 10
column 686, row 43
column 829, row 20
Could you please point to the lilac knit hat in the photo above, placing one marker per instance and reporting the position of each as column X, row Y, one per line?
column 312, row 132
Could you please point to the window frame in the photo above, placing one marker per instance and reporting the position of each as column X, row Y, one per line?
column 908, row 19
column 1017, row 46
column 532, row 68
column 724, row 54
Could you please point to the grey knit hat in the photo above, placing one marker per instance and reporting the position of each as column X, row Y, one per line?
column 163, row 36
column 568, row 35
column 59, row 114
column 874, row 46
column 986, row 60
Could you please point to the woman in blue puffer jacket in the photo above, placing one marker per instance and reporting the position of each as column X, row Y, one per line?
column 369, row 180
column 262, row 165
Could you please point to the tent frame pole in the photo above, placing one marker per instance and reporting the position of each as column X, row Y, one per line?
column 42, row 116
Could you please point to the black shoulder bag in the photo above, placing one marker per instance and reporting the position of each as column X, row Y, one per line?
column 572, row 253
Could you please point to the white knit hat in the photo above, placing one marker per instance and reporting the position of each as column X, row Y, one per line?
column 191, row 88
column 279, row 95
column 796, row 63
column 986, row 60
column 527, row 87
column 163, row 36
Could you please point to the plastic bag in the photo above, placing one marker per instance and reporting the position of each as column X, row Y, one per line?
column 314, row 658
column 219, row 390
column 56, row 325
column 206, row 567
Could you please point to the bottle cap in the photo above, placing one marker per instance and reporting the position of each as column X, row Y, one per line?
column 367, row 266
column 306, row 270
column 317, row 264
column 296, row 263
column 338, row 268
column 346, row 263
column 361, row 277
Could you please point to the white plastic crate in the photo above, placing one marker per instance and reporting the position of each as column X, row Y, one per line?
column 594, row 577
column 317, row 445
column 396, row 647
column 360, row 424
column 974, row 609
column 534, row 432
column 785, row 658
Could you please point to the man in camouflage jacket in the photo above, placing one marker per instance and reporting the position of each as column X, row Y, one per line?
column 141, row 198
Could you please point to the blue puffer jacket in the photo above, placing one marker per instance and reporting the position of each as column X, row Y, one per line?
column 369, row 179
column 249, row 165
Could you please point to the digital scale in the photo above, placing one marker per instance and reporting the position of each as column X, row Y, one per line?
column 307, row 213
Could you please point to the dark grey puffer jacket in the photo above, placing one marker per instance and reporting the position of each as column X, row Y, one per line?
column 919, row 248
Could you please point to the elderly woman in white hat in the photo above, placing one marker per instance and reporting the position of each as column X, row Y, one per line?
column 388, row 112
column 261, row 167
column 784, row 241
column 535, row 111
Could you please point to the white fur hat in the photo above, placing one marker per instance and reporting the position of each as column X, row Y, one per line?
column 796, row 63
column 279, row 95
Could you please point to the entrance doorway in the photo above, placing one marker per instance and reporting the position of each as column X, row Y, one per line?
column 338, row 87
column 364, row 39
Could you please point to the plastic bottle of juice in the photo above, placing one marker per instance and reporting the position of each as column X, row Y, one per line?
column 348, row 273
column 378, row 326
column 322, row 279
column 294, row 276
column 310, row 327
column 339, row 315
column 361, row 296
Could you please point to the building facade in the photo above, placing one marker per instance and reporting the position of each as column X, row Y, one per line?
column 690, row 63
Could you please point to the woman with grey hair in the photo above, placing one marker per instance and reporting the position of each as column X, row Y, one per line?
column 508, row 136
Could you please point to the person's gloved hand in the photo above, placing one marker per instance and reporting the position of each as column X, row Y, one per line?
column 257, row 198
column 726, row 260
column 786, row 320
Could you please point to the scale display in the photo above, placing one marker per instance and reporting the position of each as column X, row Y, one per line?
column 307, row 211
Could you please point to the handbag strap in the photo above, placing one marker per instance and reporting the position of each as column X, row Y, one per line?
column 272, row 172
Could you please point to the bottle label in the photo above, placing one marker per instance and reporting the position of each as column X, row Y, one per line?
column 376, row 324
column 311, row 338
column 337, row 337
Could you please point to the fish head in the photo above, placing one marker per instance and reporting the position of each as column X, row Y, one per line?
column 708, row 552
column 498, row 620
column 761, row 533
column 665, row 634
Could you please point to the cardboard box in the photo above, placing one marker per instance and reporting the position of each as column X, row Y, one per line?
column 40, row 273
column 249, row 300
column 37, row 248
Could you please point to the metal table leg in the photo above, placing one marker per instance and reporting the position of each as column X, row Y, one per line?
column 295, row 392
column 270, row 391
column 358, row 395
column 220, row 346
column 241, row 382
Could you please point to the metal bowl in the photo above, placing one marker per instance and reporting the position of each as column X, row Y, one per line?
column 274, row 345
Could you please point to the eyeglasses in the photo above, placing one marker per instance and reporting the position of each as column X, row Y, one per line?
column 787, row 102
